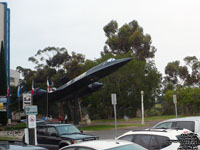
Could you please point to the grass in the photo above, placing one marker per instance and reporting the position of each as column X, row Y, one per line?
column 107, row 127
column 154, row 118
column 15, row 127
column 7, row 138
column 123, row 123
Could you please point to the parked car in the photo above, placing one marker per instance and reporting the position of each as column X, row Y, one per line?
column 104, row 145
column 190, row 123
column 17, row 145
column 162, row 139
column 54, row 136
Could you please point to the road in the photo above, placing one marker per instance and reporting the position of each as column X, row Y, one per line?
column 110, row 134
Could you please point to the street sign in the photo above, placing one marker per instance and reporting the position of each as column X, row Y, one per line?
column 114, row 102
column 31, row 110
column 31, row 121
column 3, row 103
column 175, row 104
column 174, row 99
column 27, row 99
column 114, row 99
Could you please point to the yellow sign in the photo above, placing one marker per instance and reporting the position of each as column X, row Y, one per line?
column 1, row 105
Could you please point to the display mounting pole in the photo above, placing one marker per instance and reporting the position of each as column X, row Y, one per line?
column 114, row 102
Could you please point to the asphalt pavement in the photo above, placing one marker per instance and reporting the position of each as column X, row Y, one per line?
column 110, row 134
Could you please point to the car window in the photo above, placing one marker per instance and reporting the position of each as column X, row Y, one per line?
column 84, row 148
column 51, row 131
column 165, row 125
column 67, row 129
column 128, row 147
column 69, row 148
column 41, row 130
column 142, row 140
column 154, row 143
column 78, row 148
column 127, row 138
column 184, row 124
column 163, row 141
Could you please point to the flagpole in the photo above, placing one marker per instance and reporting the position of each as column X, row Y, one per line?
column 19, row 103
column 18, row 96
column 47, row 97
column 32, row 92
column 47, row 103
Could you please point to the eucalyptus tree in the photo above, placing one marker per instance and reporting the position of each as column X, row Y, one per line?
column 184, row 81
column 129, row 37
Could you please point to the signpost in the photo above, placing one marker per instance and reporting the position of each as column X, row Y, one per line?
column 27, row 100
column 31, row 121
column 31, row 110
column 175, row 104
column 30, row 134
column 114, row 102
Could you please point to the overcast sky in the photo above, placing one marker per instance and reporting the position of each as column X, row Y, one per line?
column 77, row 25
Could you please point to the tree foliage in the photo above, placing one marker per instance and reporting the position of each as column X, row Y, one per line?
column 187, row 75
column 188, row 100
column 128, row 38
column 183, row 81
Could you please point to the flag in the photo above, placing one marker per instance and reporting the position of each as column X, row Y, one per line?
column 48, row 86
column 32, row 87
column 8, row 92
column 18, row 91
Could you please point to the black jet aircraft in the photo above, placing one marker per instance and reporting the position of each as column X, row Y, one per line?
column 86, row 83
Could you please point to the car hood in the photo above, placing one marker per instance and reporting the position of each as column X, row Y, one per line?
column 20, row 147
column 79, row 136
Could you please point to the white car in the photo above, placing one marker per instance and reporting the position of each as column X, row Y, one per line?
column 104, row 145
column 164, row 139
column 190, row 123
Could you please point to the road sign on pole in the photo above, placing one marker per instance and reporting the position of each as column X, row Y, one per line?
column 175, row 104
column 114, row 99
column 114, row 102
column 174, row 99
column 31, row 110
column 27, row 100
column 31, row 121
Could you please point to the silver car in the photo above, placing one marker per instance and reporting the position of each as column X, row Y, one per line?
column 17, row 145
column 190, row 123
column 104, row 145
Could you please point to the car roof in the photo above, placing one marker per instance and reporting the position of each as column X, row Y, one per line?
column 194, row 118
column 171, row 133
column 54, row 124
column 102, row 144
column 18, row 145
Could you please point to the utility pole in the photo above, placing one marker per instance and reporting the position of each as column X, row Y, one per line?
column 142, row 106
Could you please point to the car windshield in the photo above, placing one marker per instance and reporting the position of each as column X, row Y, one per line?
column 184, row 124
column 128, row 147
column 67, row 129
